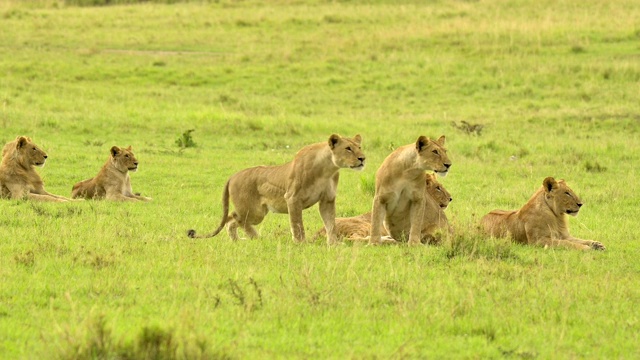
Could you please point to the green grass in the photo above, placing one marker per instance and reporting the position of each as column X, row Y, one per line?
column 555, row 85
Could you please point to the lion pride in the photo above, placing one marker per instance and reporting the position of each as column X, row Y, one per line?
column 542, row 220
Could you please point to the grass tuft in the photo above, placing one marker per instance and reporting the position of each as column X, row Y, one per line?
column 186, row 140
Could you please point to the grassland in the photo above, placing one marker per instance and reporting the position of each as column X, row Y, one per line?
column 555, row 85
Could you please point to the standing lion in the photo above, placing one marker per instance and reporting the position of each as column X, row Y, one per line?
column 312, row 177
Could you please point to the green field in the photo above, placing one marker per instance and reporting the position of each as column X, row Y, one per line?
column 556, row 85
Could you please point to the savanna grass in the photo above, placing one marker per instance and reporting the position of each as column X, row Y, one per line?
column 553, row 85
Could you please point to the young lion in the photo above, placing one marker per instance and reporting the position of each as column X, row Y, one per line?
column 18, row 178
column 312, row 177
column 113, row 181
column 437, row 198
column 400, row 187
column 542, row 220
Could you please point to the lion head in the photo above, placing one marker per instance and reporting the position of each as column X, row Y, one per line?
column 25, row 152
column 347, row 153
column 432, row 155
column 560, row 198
column 438, row 192
column 123, row 159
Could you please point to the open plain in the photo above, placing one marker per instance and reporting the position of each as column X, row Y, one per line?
column 553, row 87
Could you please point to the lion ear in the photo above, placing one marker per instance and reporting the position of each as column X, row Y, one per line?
column 422, row 142
column 114, row 151
column 129, row 148
column 549, row 184
column 431, row 178
column 333, row 140
column 441, row 140
column 22, row 141
column 357, row 139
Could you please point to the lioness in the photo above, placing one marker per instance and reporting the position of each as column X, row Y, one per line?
column 437, row 198
column 18, row 177
column 400, row 188
column 542, row 220
column 113, row 181
column 312, row 177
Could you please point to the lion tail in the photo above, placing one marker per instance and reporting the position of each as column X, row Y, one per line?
column 225, row 216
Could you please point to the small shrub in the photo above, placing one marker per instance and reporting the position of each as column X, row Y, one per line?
column 26, row 258
column 594, row 167
column 186, row 140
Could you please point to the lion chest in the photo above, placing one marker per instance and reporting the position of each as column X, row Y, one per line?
column 311, row 190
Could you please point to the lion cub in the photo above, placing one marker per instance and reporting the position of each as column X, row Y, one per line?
column 436, row 197
column 400, row 188
column 312, row 177
column 542, row 220
column 113, row 181
column 18, row 177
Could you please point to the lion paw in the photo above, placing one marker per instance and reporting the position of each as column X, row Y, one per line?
column 596, row 245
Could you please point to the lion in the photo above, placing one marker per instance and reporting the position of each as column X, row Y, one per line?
column 542, row 220
column 113, row 181
column 18, row 177
column 400, row 188
column 437, row 199
column 312, row 177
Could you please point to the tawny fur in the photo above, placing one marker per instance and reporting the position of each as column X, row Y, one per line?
column 113, row 181
column 400, row 188
column 18, row 177
column 312, row 177
column 436, row 197
column 542, row 220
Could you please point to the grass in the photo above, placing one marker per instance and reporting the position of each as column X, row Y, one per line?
column 554, row 85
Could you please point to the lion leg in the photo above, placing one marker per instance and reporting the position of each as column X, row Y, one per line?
column 551, row 242
column 416, row 213
column 595, row 245
column 246, row 223
column 328, row 214
column 232, row 228
column 295, row 219
column 40, row 197
column 129, row 192
column 119, row 197
column 377, row 217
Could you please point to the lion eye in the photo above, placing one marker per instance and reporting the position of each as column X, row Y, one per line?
column 127, row 156
column 436, row 152
column 349, row 148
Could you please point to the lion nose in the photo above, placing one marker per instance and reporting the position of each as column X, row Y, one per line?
column 447, row 165
column 361, row 158
column 45, row 156
column 135, row 163
column 579, row 205
column 450, row 199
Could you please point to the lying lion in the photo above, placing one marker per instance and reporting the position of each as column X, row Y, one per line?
column 113, row 181
column 400, row 188
column 542, row 220
column 436, row 197
column 312, row 177
column 18, row 177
